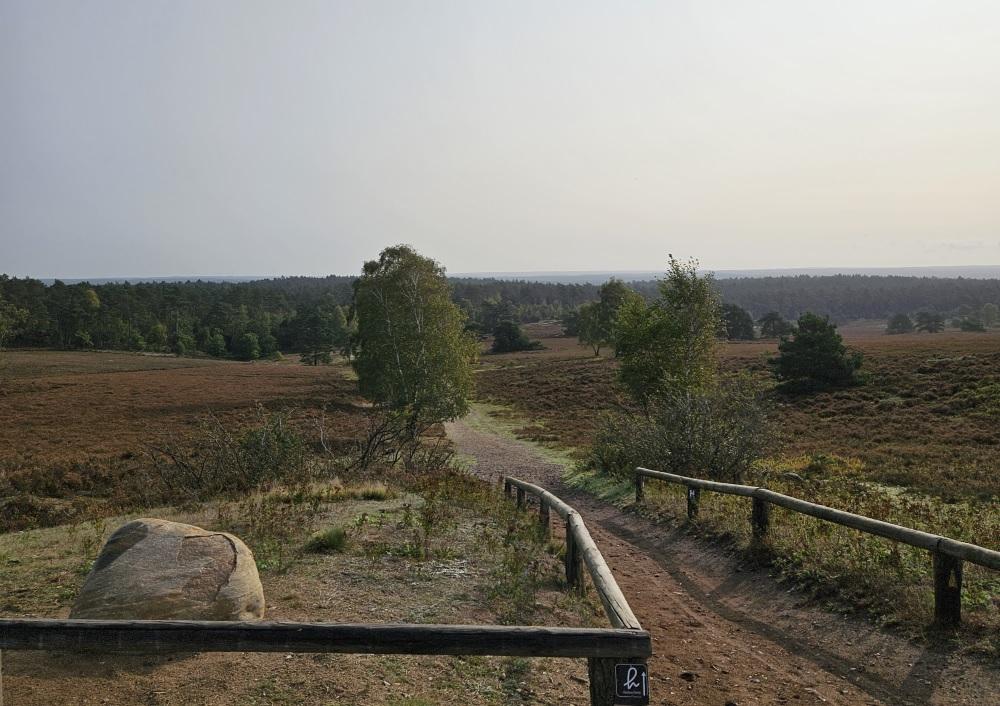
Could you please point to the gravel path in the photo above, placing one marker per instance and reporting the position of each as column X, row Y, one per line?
column 745, row 640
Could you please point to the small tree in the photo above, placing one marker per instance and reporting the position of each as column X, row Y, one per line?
column 773, row 325
column 670, row 344
column 718, row 432
column 247, row 347
column 930, row 322
column 989, row 314
column 597, row 321
column 900, row 323
column 737, row 323
column 414, row 356
column 508, row 338
column 215, row 345
column 814, row 356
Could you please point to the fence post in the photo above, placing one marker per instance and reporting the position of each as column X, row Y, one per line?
column 693, row 495
column 543, row 517
column 573, row 559
column 947, row 590
column 506, row 488
column 761, row 519
column 638, row 488
column 520, row 497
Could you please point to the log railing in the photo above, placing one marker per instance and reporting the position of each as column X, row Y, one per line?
column 625, row 643
column 948, row 554
column 581, row 550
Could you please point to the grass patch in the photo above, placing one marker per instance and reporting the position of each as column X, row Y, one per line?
column 332, row 539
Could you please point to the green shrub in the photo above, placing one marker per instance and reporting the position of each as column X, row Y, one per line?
column 332, row 539
column 716, row 433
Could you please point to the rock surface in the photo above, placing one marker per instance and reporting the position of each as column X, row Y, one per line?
column 159, row 570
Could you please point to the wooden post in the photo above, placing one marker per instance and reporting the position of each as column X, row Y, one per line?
column 761, row 519
column 506, row 488
column 693, row 495
column 543, row 518
column 602, row 681
column 520, row 497
column 947, row 590
column 573, row 560
column 638, row 488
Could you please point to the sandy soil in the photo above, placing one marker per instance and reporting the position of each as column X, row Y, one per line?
column 746, row 640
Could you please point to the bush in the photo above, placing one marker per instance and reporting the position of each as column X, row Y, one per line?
column 508, row 338
column 900, row 323
column 332, row 539
column 814, row 356
column 247, row 347
column 718, row 433
column 218, row 461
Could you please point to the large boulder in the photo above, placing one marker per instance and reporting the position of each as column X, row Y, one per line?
column 159, row 570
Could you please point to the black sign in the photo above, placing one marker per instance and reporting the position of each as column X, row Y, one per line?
column 631, row 684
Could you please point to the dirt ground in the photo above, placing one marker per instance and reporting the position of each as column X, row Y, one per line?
column 745, row 639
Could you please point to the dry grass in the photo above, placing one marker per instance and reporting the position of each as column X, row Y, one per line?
column 75, row 428
column 927, row 418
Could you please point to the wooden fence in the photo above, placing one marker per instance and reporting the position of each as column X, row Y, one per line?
column 948, row 554
column 624, row 643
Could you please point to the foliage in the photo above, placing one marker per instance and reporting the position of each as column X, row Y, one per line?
column 718, row 433
column 930, row 322
column 319, row 330
column 900, row 323
column 814, row 356
column 669, row 345
column 414, row 355
column 508, row 338
column 219, row 461
column 11, row 319
column 596, row 322
column 247, row 347
column 989, row 314
column 773, row 325
column 737, row 323
column 972, row 325
column 332, row 539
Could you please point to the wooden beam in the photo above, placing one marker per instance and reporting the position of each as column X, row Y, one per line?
column 615, row 605
column 924, row 540
column 170, row 636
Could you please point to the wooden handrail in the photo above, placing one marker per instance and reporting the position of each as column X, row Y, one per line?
column 948, row 554
column 924, row 540
column 168, row 636
column 581, row 546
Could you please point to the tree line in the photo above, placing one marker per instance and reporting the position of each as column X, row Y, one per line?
column 257, row 319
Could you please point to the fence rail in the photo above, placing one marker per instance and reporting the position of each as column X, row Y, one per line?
column 948, row 554
column 581, row 550
column 624, row 643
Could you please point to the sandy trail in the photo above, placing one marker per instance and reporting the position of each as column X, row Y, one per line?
column 746, row 641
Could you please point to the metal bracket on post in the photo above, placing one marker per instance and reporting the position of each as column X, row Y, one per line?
column 617, row 681
column 693, row 496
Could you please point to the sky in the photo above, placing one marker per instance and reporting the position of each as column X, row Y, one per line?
column 246, row 137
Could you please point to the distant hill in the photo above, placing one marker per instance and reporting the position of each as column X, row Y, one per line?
column 599, row 277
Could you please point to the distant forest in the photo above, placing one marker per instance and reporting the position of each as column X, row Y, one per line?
column 280, row 314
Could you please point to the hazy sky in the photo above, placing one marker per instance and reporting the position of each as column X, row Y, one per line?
column 210, row 137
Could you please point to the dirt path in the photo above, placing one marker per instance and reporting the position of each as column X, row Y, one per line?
column 744, row 639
